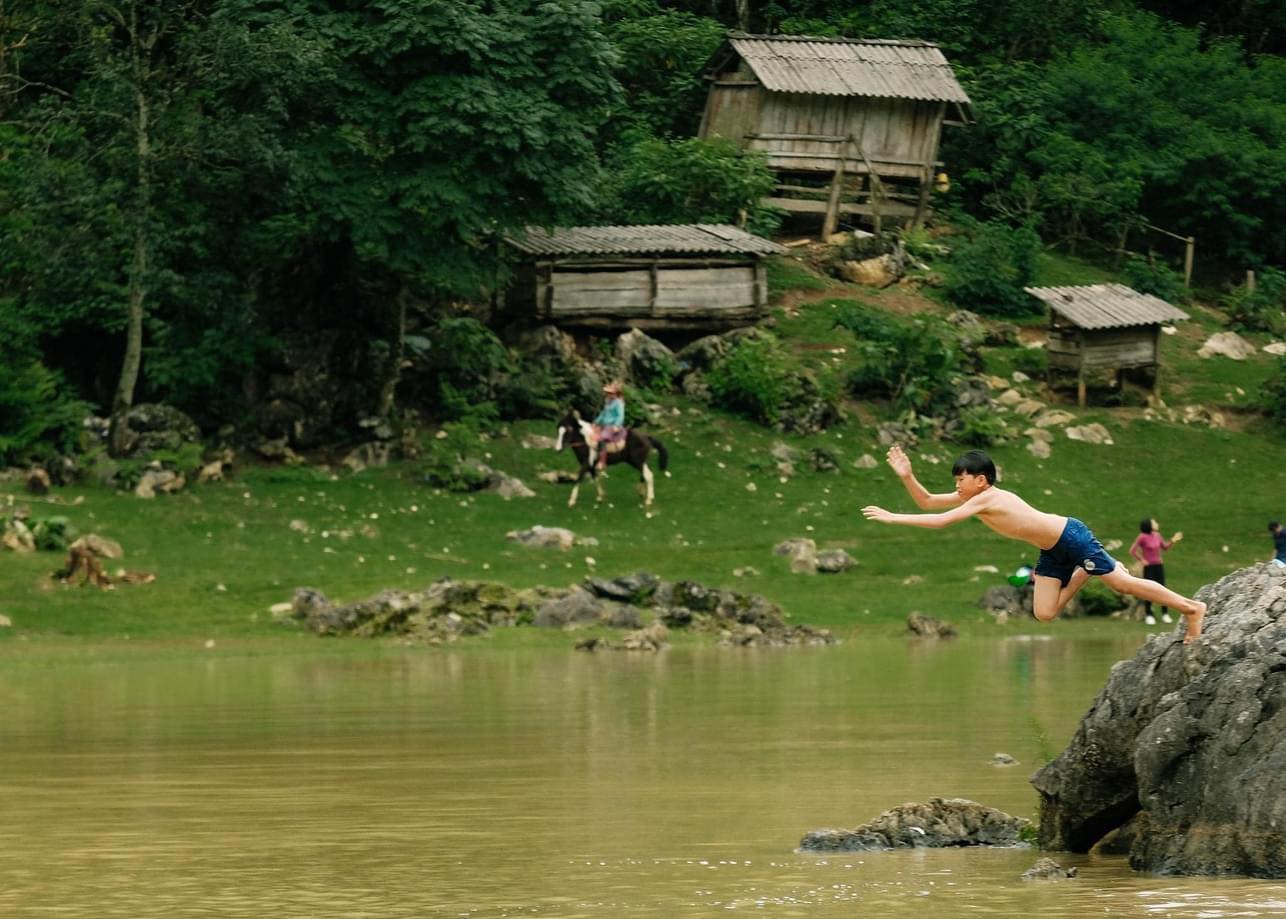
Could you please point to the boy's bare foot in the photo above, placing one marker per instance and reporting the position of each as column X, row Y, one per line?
column 1194, row 620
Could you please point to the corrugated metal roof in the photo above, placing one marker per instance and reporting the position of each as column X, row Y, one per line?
column 850, row 67
column 692, row 238
column 1106, row 306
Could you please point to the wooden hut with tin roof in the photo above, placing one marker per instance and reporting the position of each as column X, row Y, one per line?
column 1099, row 327
column 683, row 277
column 862, row 116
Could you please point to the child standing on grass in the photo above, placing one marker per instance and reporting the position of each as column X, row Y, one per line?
column 1147, row 549
column 1069, row 553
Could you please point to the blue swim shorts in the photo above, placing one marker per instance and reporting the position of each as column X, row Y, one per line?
column 1076, row 548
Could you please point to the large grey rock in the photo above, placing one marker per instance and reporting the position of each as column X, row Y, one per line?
column 646, row 361
column 936, row 824
column 1185, row 747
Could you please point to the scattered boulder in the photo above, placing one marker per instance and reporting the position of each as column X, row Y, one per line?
column 1046, row 869
column 1093, row 433
column 648, row 638
column 1227, row 344
column 538, row 442
column 38, row 481
column 928, row 627
column 802, row 553
column 835, row 561
column 1005, row 601
column 1039, row 449
column 880, row 271
column 1003, row 759
column 542, row 537
column 1052, row 418
column 155, row 479
column 1186, row 745
column 509, row 487
column 644, row 359
column 372, row 455
column 939, row 823
column 155, row 426
column 865, row 461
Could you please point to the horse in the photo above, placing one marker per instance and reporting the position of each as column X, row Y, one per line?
column 578, row 434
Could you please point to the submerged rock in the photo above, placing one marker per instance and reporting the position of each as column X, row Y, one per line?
column 940, row 823
column 1184, row 750
column 1046, row 869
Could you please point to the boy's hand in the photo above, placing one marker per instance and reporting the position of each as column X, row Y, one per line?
column 899, row 462
column 1177, row 536
column 878, row 514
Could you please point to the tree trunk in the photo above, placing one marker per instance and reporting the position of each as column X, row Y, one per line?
column 124, row 398
column 743, row 15
column 397, row 350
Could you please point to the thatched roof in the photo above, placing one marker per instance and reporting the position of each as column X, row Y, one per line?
column 1106, row 306
column 689, row 239
column 849, row 67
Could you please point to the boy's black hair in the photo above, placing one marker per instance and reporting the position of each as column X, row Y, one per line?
column 975, row 462
column 1273, row 525
column 1145, row 525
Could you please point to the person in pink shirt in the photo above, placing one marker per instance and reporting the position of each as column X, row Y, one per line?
column 1147, row 548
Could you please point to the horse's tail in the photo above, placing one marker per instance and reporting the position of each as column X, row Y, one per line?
column 662, row 455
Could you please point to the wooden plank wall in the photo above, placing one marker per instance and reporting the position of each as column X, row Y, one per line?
column 900, row 134
column 1107, row 348
column 697, row 292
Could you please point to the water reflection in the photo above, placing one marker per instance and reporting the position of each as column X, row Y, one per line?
column 407, row 782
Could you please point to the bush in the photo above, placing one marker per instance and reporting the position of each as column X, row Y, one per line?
column 1032, row 361
column 753, row 379
column 981, row 427
column 1096, row 599
column 908, row 362
column 1261, row 311
column 989, row 269
column 690, row 181
column 467, row 364
column 1152, row 277
column 1274, row 393
column 36, row 411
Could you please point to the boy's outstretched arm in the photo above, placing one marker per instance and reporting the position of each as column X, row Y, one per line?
column 932, row 521
column 900, row 463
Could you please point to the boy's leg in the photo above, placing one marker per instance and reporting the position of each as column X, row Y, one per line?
column 1051, row 595
column 1194, row 611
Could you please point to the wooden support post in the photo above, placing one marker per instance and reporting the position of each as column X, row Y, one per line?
column 831, row 221
column 1080, row 384
column 1156, row 367
column 1250, row 281
column 922, row 206
column 1191, row 245
column 652, row 286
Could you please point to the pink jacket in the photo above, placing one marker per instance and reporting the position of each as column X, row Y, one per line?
column 1147, row 548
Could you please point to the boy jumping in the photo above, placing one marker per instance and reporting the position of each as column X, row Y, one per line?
column 1069, row 553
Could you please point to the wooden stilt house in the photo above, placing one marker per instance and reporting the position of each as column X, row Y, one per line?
column 851, row 126
column 1098, row 327
column 683, row 277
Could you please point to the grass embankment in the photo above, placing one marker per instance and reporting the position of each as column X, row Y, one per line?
column 224, row 553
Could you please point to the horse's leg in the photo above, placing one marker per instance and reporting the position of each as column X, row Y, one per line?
column 598, row 482
column 647, row 479
column 571, row 502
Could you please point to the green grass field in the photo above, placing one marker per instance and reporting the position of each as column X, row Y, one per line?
column 224, row 553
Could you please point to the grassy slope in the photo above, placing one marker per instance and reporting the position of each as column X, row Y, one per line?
column 224, row 553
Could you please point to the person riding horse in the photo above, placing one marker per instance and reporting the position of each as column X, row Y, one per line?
column 609, row 426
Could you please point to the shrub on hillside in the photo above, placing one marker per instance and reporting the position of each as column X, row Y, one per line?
column 466, row 365
column 36, row 411
column 1274, row 393
column 690, row 181
column 753, row 379
column 1149, row 276
column 991, row 266
column 1263, row 310
column 909, row 362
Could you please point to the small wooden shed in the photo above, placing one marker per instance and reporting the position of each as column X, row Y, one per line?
column 691, row 276
column 864, row 114
column 1104, row 327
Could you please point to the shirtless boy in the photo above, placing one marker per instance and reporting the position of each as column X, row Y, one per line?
column 1069, row 553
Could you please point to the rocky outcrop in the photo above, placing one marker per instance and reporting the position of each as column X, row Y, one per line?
column 928, row 627
column 1046, row 869
column 938, row 824
column 1183, row 752
column 448, row 609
